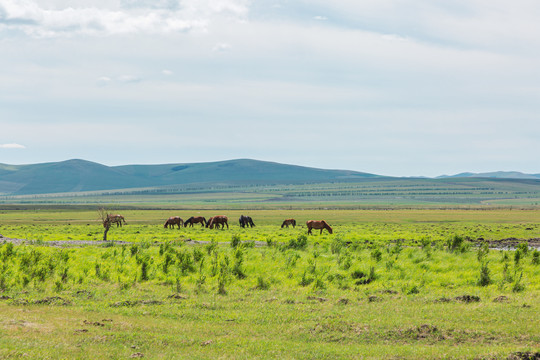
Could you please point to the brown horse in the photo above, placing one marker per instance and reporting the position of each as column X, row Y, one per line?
column 314, row 224
column 113, row 219
column 195, row 220
column 288, row 222
column 218, row 220
column 173, row 220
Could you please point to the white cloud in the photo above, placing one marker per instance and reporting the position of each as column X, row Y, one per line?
column 12, row 146
column 221, row 47
column 320, row 18
column 167, row 72
column 104, row 81
column 55, row 19
column 129, row 79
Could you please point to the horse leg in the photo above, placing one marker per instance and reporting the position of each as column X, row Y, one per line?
column 309, row 230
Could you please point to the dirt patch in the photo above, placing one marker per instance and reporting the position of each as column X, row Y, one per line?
column 177, row 296
column 524, row 356
column 501, row 298
column 468, row 298
column 319, row 299
column 343, row 301
column 424, row 331
column 52, row 300
column 128, row 303
column 93, row 323
column 512, row 243
column 64, row 243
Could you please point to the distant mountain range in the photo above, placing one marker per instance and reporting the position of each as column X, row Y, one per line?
column 495, row 174
column 81, row 175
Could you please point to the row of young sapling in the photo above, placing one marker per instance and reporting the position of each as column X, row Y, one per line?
column 175, row 264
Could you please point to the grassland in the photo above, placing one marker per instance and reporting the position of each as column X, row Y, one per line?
column 386, row 284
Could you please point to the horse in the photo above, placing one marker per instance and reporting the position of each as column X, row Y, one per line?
column 218, row 220
column 173, row 220
column 288, row 222
column 246, row 221
column 210, row 219
column 112, row 219
column 314, row 224
column 195, row 220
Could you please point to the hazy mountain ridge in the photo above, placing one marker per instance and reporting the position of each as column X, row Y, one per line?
column 494, row 174
column 80, row 175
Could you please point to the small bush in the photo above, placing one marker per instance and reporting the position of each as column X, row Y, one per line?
column 485, row 278
column 300, row 243
column 457, row 244
column 518, row 286
column 535, row 257
column 305, row 280
column 235, row 241
column 524, row 248
column 376, row 254
column 517, row 257
column 483, row 251
column 262, row 284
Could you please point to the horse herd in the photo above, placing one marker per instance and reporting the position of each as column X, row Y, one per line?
column 218, row 222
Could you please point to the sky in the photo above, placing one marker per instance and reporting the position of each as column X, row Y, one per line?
column 389, row 87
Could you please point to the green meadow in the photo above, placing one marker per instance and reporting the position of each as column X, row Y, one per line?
column 397, row 283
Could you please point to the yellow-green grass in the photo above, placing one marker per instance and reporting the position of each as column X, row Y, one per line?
column 409, row 310
column 370, row 225
column 278, row 301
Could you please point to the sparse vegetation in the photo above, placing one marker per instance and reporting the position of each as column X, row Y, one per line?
column 360, row 288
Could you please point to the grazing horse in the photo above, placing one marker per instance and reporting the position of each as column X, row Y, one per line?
column 195, row 220
column 209, row 221
column 112, row 219
column 246, row 221
column 288, row 222
column 173, row 220
column 314, row 224
column 218, row 220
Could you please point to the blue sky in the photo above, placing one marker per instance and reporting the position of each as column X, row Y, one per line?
column 400, row 88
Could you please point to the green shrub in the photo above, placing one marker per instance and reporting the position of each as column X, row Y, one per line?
column 485, row 278
column 457, row 244
column 235, row 241
column 376, row 254
column 262, row 284
column 482, row 252
column 300, row 243
column 524, row 248
column 518, row 286
column 305, row 280
column 535, row 257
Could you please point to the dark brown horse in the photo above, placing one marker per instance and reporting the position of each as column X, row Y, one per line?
column 288, row 222
column 314, row 224
column 113, row 219
column 173, row 220
column 246, row 221
column 218, row 220
column 195, row 220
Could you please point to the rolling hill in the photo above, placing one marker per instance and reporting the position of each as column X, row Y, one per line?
column 80, row 175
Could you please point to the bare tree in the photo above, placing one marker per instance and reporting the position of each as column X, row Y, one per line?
column 104, row 215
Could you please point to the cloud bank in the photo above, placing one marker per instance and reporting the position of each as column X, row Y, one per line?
column 12, row 146
column 61, row 18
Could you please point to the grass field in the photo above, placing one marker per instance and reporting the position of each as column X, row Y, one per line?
column 386, row 284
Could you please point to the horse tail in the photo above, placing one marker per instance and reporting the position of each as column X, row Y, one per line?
column 294, row 223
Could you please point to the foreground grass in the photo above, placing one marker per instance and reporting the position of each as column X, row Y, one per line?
column 319, row 298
